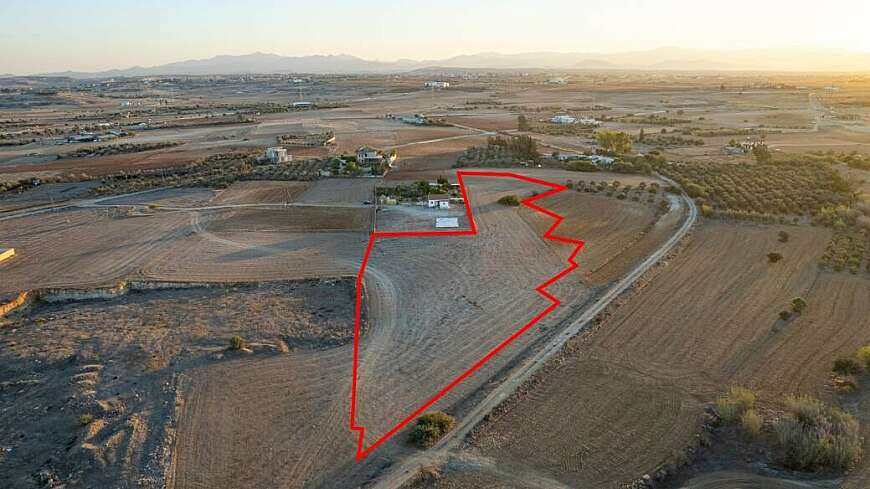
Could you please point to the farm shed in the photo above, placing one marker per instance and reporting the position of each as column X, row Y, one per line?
column 440, row 201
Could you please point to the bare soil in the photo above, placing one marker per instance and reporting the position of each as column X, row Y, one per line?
column 117, row 361
column 705, row 320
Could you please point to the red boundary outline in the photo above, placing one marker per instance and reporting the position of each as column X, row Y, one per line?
column 361, row 452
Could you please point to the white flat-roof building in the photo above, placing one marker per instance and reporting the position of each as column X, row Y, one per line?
column 436, row 84
column 278, row 154
column 600, row 160
column 563, row 119
column 568, row 156
column 439, row 201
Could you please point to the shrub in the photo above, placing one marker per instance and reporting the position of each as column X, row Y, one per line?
column 726, row 410
column 735, row 403
column 813, row 436
column 86, row 419
column 783, row 237
column 751, row 423
column 846, row 366
column 509, row 200
column 864, row 355
column 798, row 304
column 236, row 343
column 774, row 257
column 431, row 427
column 784, row 315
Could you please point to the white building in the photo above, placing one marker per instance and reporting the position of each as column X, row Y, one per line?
column 439, row 201
column 416, row 119
column 588, row 121
column 367, row 155
column 436, row 84
column 568, row 156
column 278, row 154
column 303, row 105
column 600, row 160
column 563, row 119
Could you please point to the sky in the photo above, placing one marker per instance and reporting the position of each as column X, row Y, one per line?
column 38, row 36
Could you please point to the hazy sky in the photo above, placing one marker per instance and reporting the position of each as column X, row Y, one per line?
column 89, row 35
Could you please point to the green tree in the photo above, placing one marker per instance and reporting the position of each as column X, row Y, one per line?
column 522, row 123
column 761, row 153
column 614, row 141
column 431, row 427
column 798, row 304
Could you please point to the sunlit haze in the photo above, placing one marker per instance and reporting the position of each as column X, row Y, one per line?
column 89, row 35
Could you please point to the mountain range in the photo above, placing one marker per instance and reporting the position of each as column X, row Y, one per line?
column 682, row 59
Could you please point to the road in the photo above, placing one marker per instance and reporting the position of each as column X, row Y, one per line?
column 405, row 470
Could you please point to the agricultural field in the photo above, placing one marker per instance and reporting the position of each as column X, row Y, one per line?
column 663, row 357
column 180, row 311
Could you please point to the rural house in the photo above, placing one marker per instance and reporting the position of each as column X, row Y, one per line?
column 439, row 201
column 278, row 154
column 563, row 119
column 366, row 156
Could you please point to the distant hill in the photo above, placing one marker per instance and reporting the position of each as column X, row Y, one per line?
column 784, row 59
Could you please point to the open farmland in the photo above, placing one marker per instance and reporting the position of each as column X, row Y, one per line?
column 257, row 192
column 199, row 237
column 660, row 357
column 83, row 247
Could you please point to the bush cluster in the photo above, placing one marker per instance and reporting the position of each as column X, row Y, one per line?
column 431, row 427
column 846, row 251
column 814, row 436
column 509, row 200
column 500, row 150
column 217, row 171
column 114, row 149
column 733, row 405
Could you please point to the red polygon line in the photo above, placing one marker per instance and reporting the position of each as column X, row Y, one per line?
column 361, row 451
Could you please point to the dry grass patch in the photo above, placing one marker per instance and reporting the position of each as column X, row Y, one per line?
column 735, row 404
column 813, row 436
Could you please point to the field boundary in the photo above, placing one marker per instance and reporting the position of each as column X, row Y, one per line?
column 363, row 451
